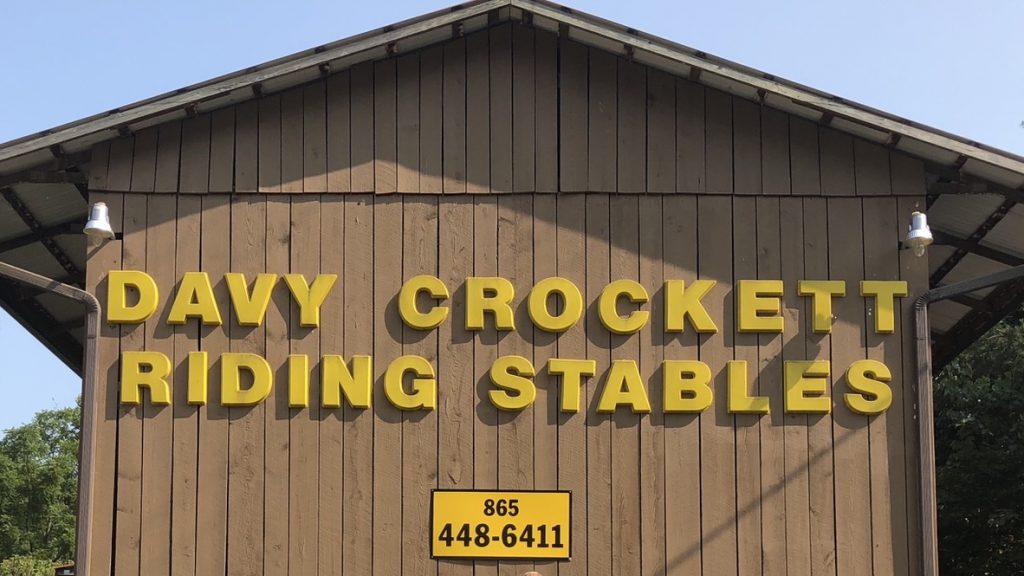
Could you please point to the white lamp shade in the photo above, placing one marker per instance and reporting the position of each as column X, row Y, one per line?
column 98, row 225
column 919, row 236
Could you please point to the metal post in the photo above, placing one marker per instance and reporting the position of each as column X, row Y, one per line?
column 89, row 404
column 926, row 415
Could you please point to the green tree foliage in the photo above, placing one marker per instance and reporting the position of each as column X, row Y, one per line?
column 26, row 566
column 39, row 487
column 979, row 429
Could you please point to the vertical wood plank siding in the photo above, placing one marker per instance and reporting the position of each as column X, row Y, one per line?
column 683, row 516
column 485, row 352
column 331, row 425
column 246, row 424
column 212, row 482
column 364, row 174
column 796, row 490
column 571, row 237
column 186, row 416
column 158, row 422
column 357, row 546
column 419, row 429
column 276, row 440
column 455, row 441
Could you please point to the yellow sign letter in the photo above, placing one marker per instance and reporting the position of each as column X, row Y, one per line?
column 298, row 381
column 424, row 384
column 806, row 383
column 740, row 400
column 310, row 298
column 231, row 366
column 250, row 309
column 197, row 378
column 885, row 292
column 194, row 299
column 572, row 372
column 607, row 304
column 154, row 378
column 407, row 302
column 682, row 303
column 822, row 292
column 759, row 306
column 489, row 294
column 118, row 309
column 868, row 380
column 624, row 386
column 572, row 304
column 687, row 386
column 336, row 380
column 512, row 374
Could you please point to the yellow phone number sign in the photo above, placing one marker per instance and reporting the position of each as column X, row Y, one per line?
column 501, row 524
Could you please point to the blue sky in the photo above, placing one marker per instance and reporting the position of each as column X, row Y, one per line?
column 951, row 65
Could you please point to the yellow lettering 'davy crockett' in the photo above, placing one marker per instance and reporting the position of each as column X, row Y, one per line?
column 554, row 304
column 410, row 383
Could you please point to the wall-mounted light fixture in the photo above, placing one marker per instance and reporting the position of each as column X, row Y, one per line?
column 919, row 236
column 98, row 226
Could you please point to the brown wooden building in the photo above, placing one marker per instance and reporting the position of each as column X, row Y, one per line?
column 522, row 140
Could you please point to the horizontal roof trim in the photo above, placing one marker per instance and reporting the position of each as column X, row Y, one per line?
column 610, row 33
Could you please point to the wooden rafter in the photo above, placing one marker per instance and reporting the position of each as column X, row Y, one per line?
column 38, row 235
column 38, row 321
column 949, row 239
column 43, row 177
column 1001, row 301
column 953, row 181
column 969, row 301
column 971, row 243
column 47, row 241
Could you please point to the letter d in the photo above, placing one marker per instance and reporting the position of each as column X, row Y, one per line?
column 118, row 310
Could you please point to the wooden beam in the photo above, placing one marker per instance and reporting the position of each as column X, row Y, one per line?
column 38, row 321
column 967, row 187
column 950, row 239
column 60, row 161
column 971, row 243
column 82, row 187
column 42, row 177
column 1003, row 300
column 969, row 301
column 47, row 241
column 953, row 181
column 38, row 235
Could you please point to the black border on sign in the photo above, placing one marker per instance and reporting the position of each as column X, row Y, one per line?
column 430, row 527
